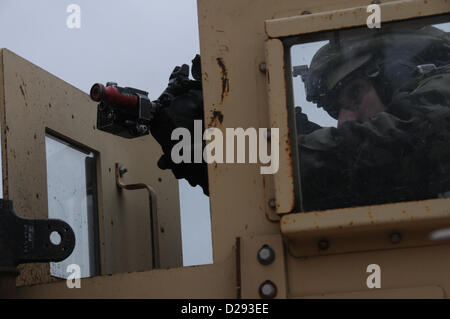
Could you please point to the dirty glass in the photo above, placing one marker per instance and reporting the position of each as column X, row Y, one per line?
column 72, row 193
column 371, row 111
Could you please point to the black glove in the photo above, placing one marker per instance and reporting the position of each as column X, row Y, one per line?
column 304, row 125
column 183, row 103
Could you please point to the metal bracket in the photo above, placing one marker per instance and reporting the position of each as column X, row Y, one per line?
column 366, row 228
column 120, row 170
column 28, row 240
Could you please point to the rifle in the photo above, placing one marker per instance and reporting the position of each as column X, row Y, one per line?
column 128, row 112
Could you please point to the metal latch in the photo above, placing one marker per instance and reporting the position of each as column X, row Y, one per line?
column 28, row 240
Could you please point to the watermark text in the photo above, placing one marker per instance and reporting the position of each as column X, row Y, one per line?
column 74, row 19
column 74, row 278
column 234, row 147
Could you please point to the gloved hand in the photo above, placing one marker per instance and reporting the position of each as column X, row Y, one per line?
column 304, row 125
column 183, row 103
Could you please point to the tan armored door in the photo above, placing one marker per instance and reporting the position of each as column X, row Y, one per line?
column 57, row 164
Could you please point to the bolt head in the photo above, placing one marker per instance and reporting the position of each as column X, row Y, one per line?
column 122, row 170
column 324, row 244
column 262, row 67
column 266, row 255
column 272, row 204
column 396, row 238
column 267, row 290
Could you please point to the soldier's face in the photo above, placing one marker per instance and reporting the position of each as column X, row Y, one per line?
column 359, row 101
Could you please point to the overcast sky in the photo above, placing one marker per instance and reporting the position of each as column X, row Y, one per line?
column 136, row 43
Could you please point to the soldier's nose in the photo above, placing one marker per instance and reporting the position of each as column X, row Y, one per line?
column 347, row 115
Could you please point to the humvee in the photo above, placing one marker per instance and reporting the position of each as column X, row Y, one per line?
column 264, row 244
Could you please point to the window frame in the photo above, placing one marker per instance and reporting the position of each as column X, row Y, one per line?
column 91, row 186
column 283, row 33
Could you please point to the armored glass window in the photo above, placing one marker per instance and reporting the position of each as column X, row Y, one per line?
column 372, row 113
column 71, row 187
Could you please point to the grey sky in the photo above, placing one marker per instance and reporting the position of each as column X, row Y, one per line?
column 302, row 54
column 136, row 43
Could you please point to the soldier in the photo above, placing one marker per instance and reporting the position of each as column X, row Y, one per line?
column 390, row 92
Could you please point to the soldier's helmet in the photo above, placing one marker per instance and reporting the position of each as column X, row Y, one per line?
column 389, row 57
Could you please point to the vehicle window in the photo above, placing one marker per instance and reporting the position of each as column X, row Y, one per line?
column 71, row 195
column 372, row 113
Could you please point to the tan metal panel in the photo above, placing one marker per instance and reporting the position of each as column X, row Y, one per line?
column 351, row 17
column 36, row 102
column 276, row 92
column 365, row 228
column 428, row 292
column 344, row 273
column 207, row 281
column 235, row 96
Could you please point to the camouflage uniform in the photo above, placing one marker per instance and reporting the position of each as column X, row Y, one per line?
column 402, row 154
